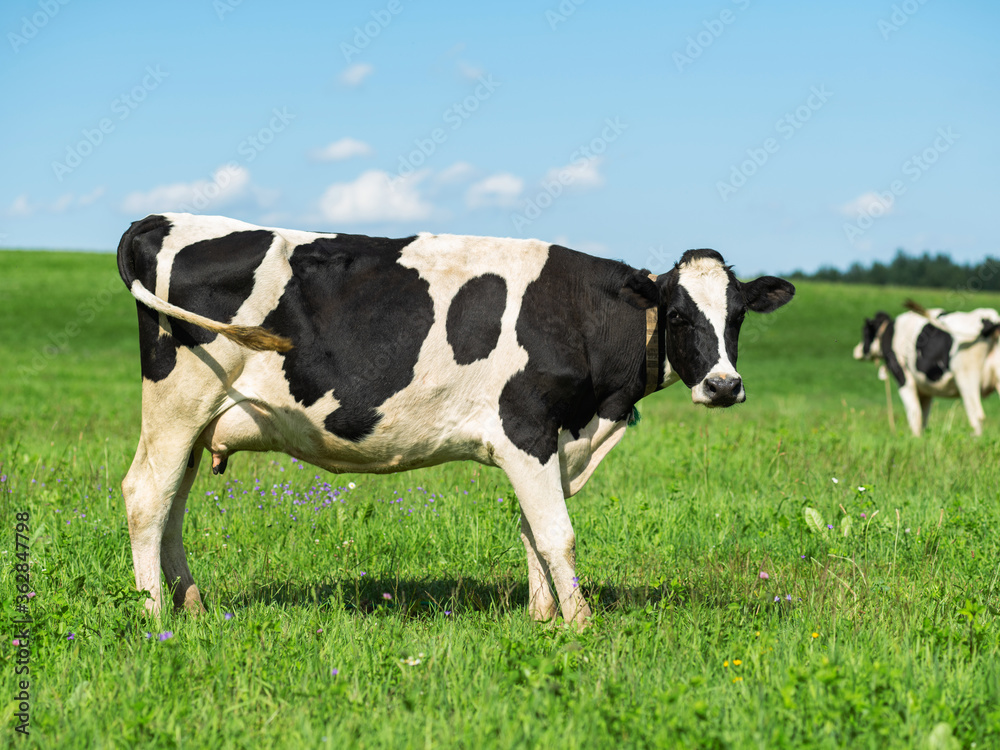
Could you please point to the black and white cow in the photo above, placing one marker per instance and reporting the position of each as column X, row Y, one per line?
column 933, row 353
column 367, row 354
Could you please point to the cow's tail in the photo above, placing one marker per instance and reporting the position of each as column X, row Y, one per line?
column 252, row 337
column 919, row 309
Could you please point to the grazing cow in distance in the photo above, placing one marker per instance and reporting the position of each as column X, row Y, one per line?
column 933, row 353
column 368, row 354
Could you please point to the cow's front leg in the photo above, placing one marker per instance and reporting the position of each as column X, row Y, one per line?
column 541, row 602
column 911, row 402
column 543, row 506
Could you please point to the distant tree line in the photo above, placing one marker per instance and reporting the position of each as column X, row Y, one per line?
column 926, row 270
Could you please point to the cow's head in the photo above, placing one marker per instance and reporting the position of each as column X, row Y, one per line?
column 702, row 305
column 871, row 336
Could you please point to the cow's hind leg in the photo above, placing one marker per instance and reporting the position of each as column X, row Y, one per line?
column 969, row 390
column 157, row 473
column 543, row 505
column 172, row 557
column 541, row 602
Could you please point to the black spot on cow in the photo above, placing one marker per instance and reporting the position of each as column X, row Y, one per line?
column 891, row 361
column 358, row 319
column 579, row 321
column 211, row 278
column 882, row 328
column 933, row 352
column 473, row 323
column 214, row 278
column 736, row 310
column 137, row 255
column 870, row 331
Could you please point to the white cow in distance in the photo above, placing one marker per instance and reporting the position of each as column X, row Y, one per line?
column 932, row 353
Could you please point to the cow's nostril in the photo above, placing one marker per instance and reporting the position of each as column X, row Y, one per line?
column 720, row 389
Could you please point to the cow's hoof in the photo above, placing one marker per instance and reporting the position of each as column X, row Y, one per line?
column 192, row 603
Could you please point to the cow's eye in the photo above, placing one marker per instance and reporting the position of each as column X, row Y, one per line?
column 676, row 319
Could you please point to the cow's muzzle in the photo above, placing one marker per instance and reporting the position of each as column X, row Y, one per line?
column 720, row 390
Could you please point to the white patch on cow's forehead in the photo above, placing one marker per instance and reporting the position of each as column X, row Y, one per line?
column 706, row 281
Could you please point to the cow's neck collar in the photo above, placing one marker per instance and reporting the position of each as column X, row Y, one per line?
column 652, row 347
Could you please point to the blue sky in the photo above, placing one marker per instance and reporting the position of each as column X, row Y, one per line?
column 785, row 135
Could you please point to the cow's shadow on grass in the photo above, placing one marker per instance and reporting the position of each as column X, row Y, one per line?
column 430, row 597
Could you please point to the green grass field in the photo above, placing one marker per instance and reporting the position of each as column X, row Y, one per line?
column 390, row 611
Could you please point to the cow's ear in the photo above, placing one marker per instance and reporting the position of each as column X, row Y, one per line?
column 989, row 328
column 767, row 293
column 640, row 291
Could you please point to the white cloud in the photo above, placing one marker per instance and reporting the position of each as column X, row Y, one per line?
column 496, row 190
column 88, row 198
column 470, row 72
column 20, row 206
column 355, row 74
column 375, row 196
column 228, row 183
column 345, row 148
column 62, row 203
column 582, row 173
column 66, row 202
column 870, row 204
column 460, row 171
